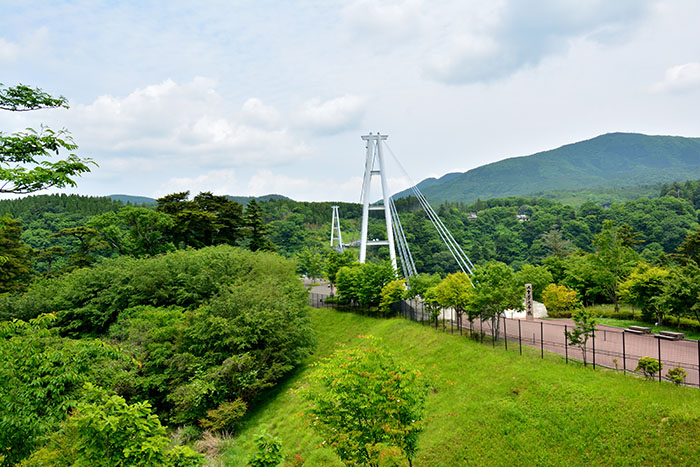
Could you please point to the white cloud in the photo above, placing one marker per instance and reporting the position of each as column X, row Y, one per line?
column 467, row 41
column 8, row 50
column 332, row 116
column 219, row 182
column 254, row 111
column 680, row 78
column 185, row 120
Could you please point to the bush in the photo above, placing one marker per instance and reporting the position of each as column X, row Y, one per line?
column 391, row 293
column 649, row 366
column 42, row 377
column 269, row 453
column 559, row 298
column 103, row 430
column 364, row 400
column 677, row 375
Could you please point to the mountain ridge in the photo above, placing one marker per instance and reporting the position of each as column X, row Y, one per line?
column 613, row 159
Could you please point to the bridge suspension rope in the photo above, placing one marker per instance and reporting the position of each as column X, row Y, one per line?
column 460, row 257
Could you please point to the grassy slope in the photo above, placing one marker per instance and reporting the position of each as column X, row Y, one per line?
column 497, row 408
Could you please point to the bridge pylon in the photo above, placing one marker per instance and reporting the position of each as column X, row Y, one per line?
column 374, row 165
column 335, row 228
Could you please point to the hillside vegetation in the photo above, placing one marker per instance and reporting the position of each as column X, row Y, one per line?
column 491, row 407
column 614, row 159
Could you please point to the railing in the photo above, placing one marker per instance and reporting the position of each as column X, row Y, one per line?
column 608, row 347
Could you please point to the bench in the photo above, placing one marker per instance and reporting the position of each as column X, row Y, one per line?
column 638, row 330
column 670, row 335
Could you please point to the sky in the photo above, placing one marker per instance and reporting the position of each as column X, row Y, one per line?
column 257, row 97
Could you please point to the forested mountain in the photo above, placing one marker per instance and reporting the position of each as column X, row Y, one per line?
column 610, row 160
column 144, row 200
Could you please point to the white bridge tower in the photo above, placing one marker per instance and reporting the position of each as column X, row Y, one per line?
column 335, row 228
column 374, row 165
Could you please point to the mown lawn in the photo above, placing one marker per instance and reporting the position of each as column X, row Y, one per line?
column 491, row 407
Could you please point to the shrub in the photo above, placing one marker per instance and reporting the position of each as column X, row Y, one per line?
column 677, row 375
column 363, row 398
column 103, row 430
column 269, row 453
column 559, row 298
column 649, row 366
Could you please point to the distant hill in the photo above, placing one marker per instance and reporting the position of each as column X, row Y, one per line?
column 135, row 200
column 608, row 161
column 139, row 200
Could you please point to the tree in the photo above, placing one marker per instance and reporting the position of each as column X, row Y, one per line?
column 456, row 291
column 365, row 400
column 391, row 293
column 23, row 168
column 690, row 248
column 363, row 283
column 681, row 291
column 538, row 276
column 335, row 261
column 644, row 288
column 585, row 327
column 310, row 263
column 419, row 284
column 257, row 230
column 614, row 259
column 15, row 267
column 135, row 231
column 495, row 290
column 555, row 242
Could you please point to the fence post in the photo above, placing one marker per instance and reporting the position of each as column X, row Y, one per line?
column 699, row 362
column 566, row 343
column 520, row 339
column 624, row 355
column 542, row 339
column 594, row 349
column 493, row 335
column 481, row 328
column 452, row 321
column 505, row 333
column 659, row 340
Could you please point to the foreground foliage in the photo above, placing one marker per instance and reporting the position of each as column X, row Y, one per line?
column 365, row 401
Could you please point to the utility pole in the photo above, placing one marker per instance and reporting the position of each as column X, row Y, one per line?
column 375, row 157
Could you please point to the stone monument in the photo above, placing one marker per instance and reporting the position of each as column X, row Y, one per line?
column 529, row 315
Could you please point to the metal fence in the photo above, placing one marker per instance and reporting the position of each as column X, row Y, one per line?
column 609, row 346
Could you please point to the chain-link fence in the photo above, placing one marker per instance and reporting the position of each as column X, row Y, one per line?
column 609, row 346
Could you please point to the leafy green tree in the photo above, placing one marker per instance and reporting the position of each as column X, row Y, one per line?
column 419, row 284
column 104, row 430
column 681, row 292
column 310, row 263
column 85, row 241
column 392, row 293
column 495, row 291
column 257, row 230
column 558, row 298
column 335, row 261
column 538, row 276
column 690, row 248
column 456, row 291
column 363, row 283
column 23, row 164
column 585, row 327
column 364, row 399
column 556, row 244
column 42, row 376
column 15, row 266
column 644, row 289
column 135, row 231
column 614, row 259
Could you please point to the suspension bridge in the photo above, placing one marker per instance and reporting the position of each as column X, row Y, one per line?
column 375, row 169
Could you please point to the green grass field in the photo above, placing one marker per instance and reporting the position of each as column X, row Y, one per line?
column 491, row 407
